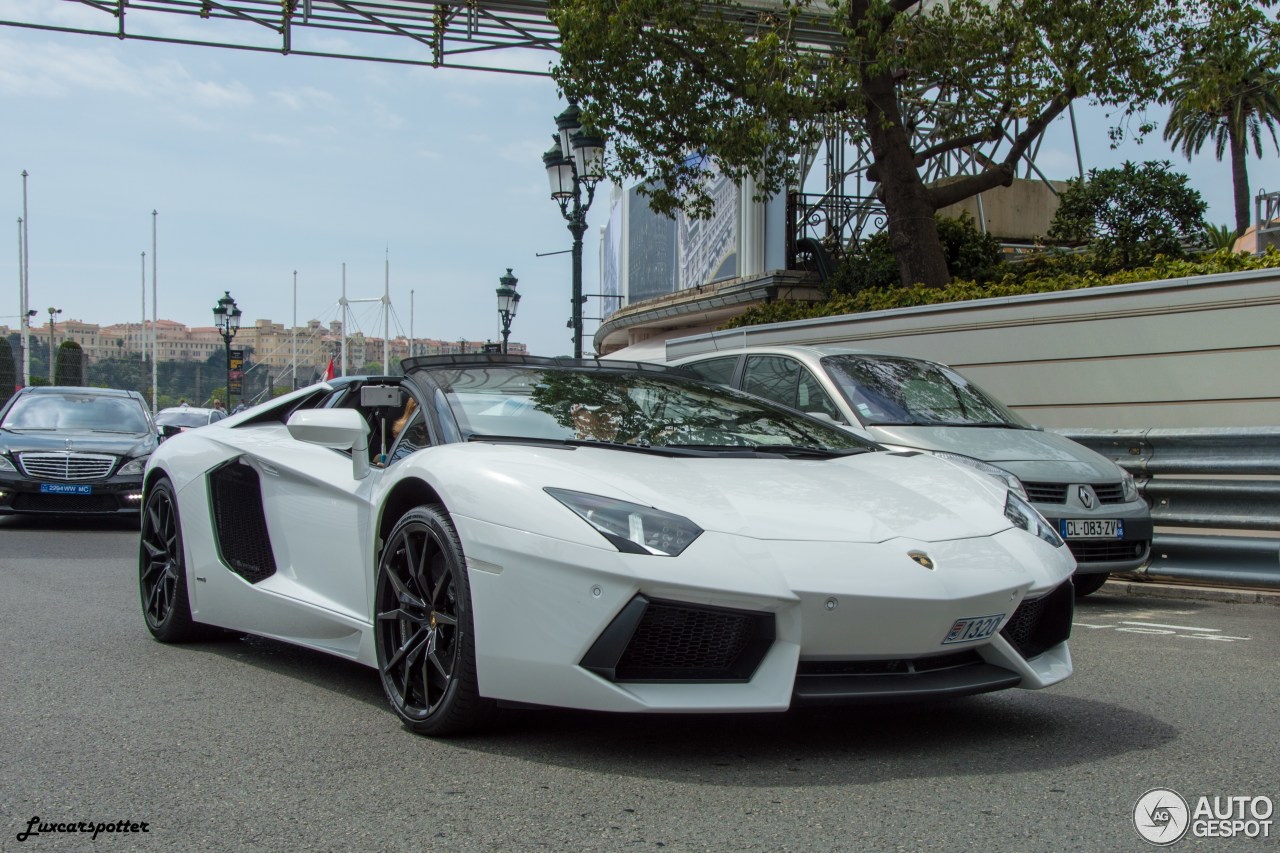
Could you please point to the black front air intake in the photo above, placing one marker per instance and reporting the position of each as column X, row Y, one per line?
column 240, row 525
column 655, row 641
column 1041, row 623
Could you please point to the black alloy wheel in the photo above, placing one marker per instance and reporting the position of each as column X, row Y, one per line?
column 423, row 627
column 162, row 572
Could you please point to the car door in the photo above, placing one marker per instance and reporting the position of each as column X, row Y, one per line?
column 305, row 520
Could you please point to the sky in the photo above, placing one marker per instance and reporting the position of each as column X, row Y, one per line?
column 260, row 165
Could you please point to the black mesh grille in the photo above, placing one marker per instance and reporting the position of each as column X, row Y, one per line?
column 240, row 524
column 32, row 502
column 1046, row 493
column 1106, row 550
column 904, row 666
column 1040, row 624
column 1109, row 493
column 673, row 641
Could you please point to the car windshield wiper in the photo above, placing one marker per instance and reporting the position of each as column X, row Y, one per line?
column 982, row 424
column 791, row 450
column 655, row 449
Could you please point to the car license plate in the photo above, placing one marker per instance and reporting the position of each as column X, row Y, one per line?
column 973, row 628
column 65, row 489
column 1091, row 528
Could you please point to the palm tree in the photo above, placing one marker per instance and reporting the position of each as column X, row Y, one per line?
column 1228, row 91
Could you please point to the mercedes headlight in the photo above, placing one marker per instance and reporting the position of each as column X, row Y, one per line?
column 6, row 466
column 632, row 528
column 1025, row 517
column 1130, row 487
column 1010, row 482
column 133, row 466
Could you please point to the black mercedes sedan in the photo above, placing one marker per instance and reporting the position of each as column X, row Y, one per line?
column 74, row 451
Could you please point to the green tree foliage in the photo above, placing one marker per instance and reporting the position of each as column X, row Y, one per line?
column 969, row 253
column 1219, row 236
column 1131, row 214
column 69, row 368
column 8, row 371
column 677, row 84
column 1226, row 90
column 1044, row 280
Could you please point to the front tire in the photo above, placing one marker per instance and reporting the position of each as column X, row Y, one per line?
column 1088, row 584
column 423, row 629
column 162, row 570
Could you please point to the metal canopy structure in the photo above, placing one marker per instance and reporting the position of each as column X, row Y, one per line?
column 508, row 36
column 470, row 35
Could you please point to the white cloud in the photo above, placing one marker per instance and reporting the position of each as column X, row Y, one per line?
column 52, row 70
column 304, row 98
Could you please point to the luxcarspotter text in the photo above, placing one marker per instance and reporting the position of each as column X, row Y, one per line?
column 37, row 827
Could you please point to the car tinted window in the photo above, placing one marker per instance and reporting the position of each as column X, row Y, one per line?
column 88, row 412
column 886, row 390
column 811, row 397
column 183, row 418
column 772, row 377
column 717, row 370
column 413, row 437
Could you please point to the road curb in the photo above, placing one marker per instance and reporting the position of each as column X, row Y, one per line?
column 1190, row 592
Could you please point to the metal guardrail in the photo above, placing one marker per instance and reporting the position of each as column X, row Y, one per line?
column 1201, row 480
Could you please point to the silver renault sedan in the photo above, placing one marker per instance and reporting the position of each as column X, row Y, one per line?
column 909, row 403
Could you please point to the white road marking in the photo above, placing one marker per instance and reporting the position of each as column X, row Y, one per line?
column 1174, row 627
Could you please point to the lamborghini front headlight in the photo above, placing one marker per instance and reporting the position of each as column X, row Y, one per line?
column 1025, row 517
column 632, row 528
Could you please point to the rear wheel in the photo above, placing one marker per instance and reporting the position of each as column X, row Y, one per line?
column 1086, row 584
column 423, row 628
column 162, row 570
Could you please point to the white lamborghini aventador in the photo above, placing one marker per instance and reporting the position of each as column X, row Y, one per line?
column 599, row 535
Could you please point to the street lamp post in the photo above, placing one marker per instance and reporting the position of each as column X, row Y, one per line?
column 52, row 312
column 226, row 316
column 576, row 160
column 508, row 302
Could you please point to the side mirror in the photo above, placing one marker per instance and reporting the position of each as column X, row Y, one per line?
column 341, row 429
column 169, row 431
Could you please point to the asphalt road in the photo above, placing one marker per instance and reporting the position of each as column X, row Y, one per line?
column 252, row 745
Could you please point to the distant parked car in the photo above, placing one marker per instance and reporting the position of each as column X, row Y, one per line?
column 178, row 419
column 74, row 451
column 910, row 403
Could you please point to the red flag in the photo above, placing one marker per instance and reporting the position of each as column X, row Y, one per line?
column 328, row 371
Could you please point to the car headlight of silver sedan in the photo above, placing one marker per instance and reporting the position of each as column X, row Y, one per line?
column 631, row 528
column 6, row 466
column 1130, row 487
column 1024, row 516
column 133, row 467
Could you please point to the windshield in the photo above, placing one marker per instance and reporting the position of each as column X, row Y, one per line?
column 83, row 412
column 625, row 408
column 182, row 417
column 887, row 391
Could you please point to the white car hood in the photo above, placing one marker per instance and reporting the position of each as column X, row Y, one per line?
column 871, row 497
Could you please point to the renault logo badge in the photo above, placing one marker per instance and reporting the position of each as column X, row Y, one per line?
column 921, row 558
column 1086, row 496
